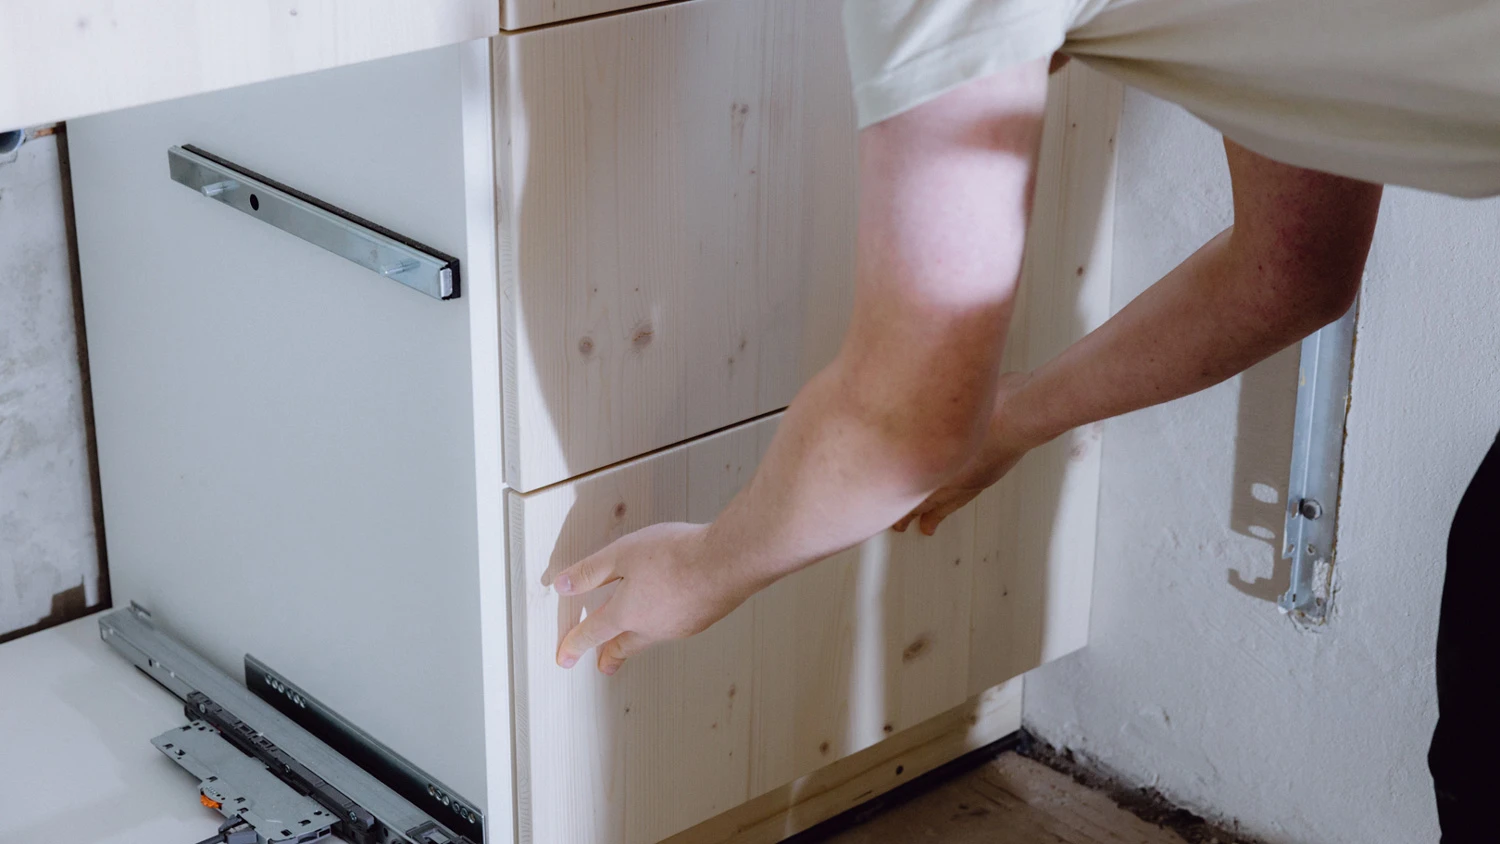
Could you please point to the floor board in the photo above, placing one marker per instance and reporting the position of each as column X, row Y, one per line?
column 1011, row 800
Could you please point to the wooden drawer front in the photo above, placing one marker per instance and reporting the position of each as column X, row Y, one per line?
column 858, row 647
column 677, row 206
column 825, row 663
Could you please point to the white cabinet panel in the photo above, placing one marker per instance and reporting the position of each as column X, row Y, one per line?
column 63, row 59
column 299, row 458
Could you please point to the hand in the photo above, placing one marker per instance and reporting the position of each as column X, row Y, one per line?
column 1001, row 451
column 670, row 588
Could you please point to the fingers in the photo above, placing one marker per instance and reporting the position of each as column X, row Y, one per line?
column 617, row 650
column 930, row 513
column 589, row 573
column 934, row 517
column 595, row 629
column 933, row 500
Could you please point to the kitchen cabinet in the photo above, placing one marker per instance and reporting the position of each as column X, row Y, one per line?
column 363, row 486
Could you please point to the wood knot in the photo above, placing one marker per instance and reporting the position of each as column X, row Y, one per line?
column 731, row 690
column 824, row 748
column 915, row 649
column 1080, row 270
column 641, row 337
column 586, row 346
column 888, row 729
column 620, row 510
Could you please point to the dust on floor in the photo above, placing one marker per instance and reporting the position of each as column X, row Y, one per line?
column 1016, row 800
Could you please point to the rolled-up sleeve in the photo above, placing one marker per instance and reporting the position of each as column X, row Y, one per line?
column 903, row 53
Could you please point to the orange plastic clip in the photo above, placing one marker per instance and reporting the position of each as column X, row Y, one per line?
column 209, row 801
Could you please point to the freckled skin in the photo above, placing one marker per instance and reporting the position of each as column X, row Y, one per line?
column 1289, row 265
column 904, row 404
column 914, row 417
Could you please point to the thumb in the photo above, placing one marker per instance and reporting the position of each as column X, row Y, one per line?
column 589, row 573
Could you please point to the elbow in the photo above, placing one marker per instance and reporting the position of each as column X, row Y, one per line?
column 937, row 454
column 1297, row 297
column 1323, row 299
column 931, row 439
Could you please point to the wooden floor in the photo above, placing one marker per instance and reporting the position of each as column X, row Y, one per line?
column 1012, row 800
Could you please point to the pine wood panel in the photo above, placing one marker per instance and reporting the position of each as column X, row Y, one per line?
column 1046, row 509
column 677, row 195
column 862, row 646
column 822, row 665
column 863, row 776
column 63, row 59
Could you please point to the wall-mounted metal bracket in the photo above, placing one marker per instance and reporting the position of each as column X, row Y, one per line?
column 371, row 246
column 1317, row 464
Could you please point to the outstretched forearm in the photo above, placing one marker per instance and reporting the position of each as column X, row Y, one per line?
column 942, row 225
column 1200, row 325
column 943, row 210
column 1290, row 265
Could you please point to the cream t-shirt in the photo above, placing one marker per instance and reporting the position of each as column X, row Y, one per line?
column 1398, row 91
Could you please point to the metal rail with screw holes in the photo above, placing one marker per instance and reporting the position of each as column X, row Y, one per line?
column 1317, row 464
column 354, row 238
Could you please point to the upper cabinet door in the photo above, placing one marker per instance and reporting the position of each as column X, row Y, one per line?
column 677, row 205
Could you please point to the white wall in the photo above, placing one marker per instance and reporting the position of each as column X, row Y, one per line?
column 49, row 566
column 1192, row 682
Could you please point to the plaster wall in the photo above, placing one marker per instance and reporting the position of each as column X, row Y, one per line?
column 1192, row 682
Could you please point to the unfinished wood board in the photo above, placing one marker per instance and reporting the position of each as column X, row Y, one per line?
column 863, row 776
column 822, row 665
column 1046, row 509
column 298, row 457
column 63, row 59
column 1012, row 800
column 677, row 202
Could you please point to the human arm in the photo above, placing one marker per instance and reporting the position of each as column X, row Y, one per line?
column 945, row 193
column 1291, row 263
